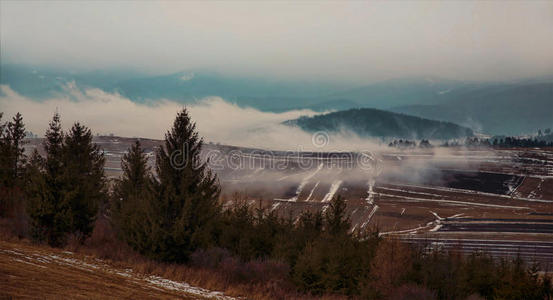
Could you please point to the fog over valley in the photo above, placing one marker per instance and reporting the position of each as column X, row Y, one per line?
column 307, row 150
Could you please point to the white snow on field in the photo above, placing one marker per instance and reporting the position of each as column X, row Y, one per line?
column 312, row 190
column 463, row 203
column 403, row 231
column 409, row 192
column 333, row 189
column 41, row 260
column 370, row 191
column 305, row 181
column 275, row 205
column 185, row 288
column 29, row 263
column 471, row 192
column 373, row 211
column 436, row 215
column 456, row 216
column 436, row 228
column 533, row 193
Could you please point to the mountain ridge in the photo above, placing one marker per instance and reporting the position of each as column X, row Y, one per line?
column 370, row 122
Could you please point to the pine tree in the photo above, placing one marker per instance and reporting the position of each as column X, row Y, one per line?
column 336, row 220
column 82, row 178
column 49, row 212
column 53, row 145
column 186, row 193
column 39, row 206
column 11, row 165
column 131, row 197
column 4, row 165
column 16, row 134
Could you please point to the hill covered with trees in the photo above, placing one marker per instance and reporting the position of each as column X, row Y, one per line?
column 368, row 122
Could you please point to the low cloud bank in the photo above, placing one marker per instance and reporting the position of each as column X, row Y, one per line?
column 217, row 120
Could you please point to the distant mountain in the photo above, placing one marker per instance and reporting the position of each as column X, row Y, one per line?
column 397, row 92
column 190, row 85
column 185, row 87
column 42, row 82
column 509, row 108
column 367, row 122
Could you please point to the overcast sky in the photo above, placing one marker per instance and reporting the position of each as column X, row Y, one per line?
column 353, row 41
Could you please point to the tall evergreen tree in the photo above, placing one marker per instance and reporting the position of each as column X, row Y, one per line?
column 4, row 161
column 132, row 197
column 336, row 220
column 50, row 213
column 11, row 164
column 16, row 134
column 53, row 145
column 3, row 138
column 83, row 178
column 187, row 193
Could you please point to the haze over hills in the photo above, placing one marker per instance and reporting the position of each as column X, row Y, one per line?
column 402, row 91
column 367, row 122
column 494, row 108
column 516, row 108
column 184, row 87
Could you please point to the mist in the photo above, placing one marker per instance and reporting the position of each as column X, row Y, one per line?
column 217, row 120
column 357, row 42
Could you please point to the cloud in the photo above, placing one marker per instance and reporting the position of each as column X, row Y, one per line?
column 358, row 41
column 217, row 120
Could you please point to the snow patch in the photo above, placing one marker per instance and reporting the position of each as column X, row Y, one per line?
column 333, row 189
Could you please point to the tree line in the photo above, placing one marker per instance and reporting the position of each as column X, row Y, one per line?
column 173, row 213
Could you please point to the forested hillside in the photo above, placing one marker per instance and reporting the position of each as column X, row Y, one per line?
column 367, row 122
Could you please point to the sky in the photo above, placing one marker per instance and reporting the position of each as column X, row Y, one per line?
column 338, row 41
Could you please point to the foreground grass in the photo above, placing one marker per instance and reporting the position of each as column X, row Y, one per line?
column 31, row 271
column 105, row 268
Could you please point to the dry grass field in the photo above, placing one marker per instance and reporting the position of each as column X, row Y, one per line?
column 37, row 272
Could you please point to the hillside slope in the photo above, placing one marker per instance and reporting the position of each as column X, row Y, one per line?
column 34, row 272
column 370, row 122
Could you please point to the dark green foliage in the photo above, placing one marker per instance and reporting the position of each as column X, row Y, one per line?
column 380, row 123
column 183, row 213
column 502, row 142
column 334, row 261
column 336, row 221
column 65, row 189
column 132, row 199
column 49, row 211
column 321, row 253
column 12, row 160
column 83, row 178
column 453, row 276
column 333, row 264
column 324, row 258
column 49, row 215
column 4, row 163
column 16, row 134
column 252, row 234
